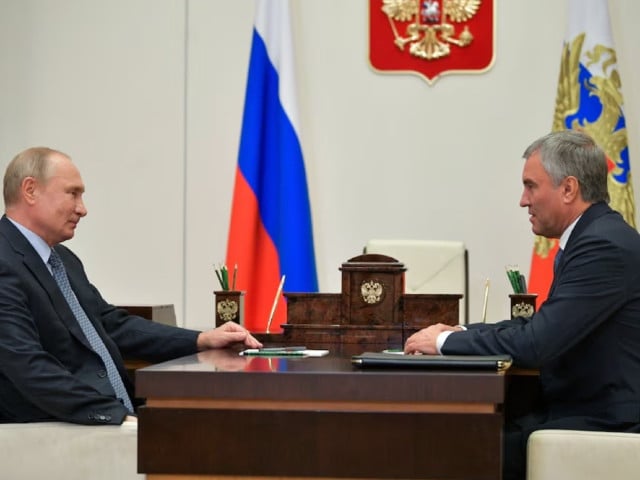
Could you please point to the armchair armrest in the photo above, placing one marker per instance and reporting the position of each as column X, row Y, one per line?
column 57, row 450
column 576, row 455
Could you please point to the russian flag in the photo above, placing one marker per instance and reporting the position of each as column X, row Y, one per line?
column 271, row 231
column 589, row 98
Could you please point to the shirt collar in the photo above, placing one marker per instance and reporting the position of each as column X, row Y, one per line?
column 564, row 238
column 40, row 246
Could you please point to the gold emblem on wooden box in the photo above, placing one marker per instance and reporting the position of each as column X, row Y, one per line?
column 227, row 310
column 371, row 292
column 522, row 309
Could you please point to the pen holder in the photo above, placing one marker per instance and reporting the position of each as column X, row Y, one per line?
column 229, row 306
column 523, row 304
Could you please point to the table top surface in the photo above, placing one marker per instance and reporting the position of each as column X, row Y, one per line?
column 224, row 374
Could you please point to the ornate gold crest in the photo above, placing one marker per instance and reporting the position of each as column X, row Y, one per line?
column 371, row 291
column 228, row 310
column 572, row 111
column 593, row 103
column 522, row 309
column 431, row 36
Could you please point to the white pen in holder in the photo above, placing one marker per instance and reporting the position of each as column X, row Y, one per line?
column 275, row 303
column 486, row 301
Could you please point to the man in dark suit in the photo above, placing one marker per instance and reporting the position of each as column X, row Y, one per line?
column 585, row 338
column 61, row 343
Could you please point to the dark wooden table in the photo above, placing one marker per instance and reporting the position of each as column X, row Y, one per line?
column 219, row 414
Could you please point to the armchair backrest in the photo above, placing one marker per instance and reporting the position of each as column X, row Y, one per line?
column 433, row 266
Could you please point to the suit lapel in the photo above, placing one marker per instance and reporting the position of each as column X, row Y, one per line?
column 594, row 211
column 34, row 264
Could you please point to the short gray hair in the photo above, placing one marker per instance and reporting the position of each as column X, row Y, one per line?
column 33, row 162
column 574, row 153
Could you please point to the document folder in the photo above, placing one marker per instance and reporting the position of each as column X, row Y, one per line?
column 441, row 362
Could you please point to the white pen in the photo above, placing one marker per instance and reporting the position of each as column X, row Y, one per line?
column 486, row 300
column 274, row 353
column 275, row 303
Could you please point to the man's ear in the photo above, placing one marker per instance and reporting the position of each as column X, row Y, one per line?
column 570, row 189
column 29, row 189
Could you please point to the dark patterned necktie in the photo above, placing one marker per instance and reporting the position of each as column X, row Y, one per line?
column 87, row 327
column 556, row 261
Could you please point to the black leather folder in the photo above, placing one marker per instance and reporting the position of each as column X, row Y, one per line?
column 439, row 362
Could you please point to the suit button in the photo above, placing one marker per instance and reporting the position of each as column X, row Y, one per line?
column 100, row 417
column 102, row 373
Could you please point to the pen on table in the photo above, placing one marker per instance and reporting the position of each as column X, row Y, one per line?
column 295, row 348
column 275, row 303
column 273, row 353
column 486, row 300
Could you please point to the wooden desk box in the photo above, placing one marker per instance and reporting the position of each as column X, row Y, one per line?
column 372, row 311
column 165, row 314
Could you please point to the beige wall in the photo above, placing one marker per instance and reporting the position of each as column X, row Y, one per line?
column 147, row 97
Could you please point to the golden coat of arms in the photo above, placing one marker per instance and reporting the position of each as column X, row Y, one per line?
column 431, row 37
column 228, row 310
column 371, row 291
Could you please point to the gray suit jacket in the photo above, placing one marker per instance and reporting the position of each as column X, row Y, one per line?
column 48, row 370
column 585, row 338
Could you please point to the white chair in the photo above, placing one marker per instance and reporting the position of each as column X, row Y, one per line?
column 65, row 451
column 579, row 455
column 432, row 266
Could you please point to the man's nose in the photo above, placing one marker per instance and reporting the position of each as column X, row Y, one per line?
column 524, row 200
column 81, row 209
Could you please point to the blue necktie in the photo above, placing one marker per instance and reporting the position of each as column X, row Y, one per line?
column 556, row 261
column 87, row 327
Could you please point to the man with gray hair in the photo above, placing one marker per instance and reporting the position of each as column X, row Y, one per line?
column 585, row 338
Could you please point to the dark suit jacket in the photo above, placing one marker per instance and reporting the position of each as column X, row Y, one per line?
column 47, row 368
column 585, row 338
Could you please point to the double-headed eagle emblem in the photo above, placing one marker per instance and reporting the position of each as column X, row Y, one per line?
column 228, row 310
column 371, row 291
column 431, row 30
column 592, row 103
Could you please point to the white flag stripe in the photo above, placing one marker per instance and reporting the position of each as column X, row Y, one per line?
column 590, row 16
column 273, row 24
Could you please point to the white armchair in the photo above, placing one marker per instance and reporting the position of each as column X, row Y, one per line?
column 433, row 266
column 65, row 451
column 580, row 455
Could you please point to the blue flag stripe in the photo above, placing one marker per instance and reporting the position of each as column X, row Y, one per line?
column 271, row 161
